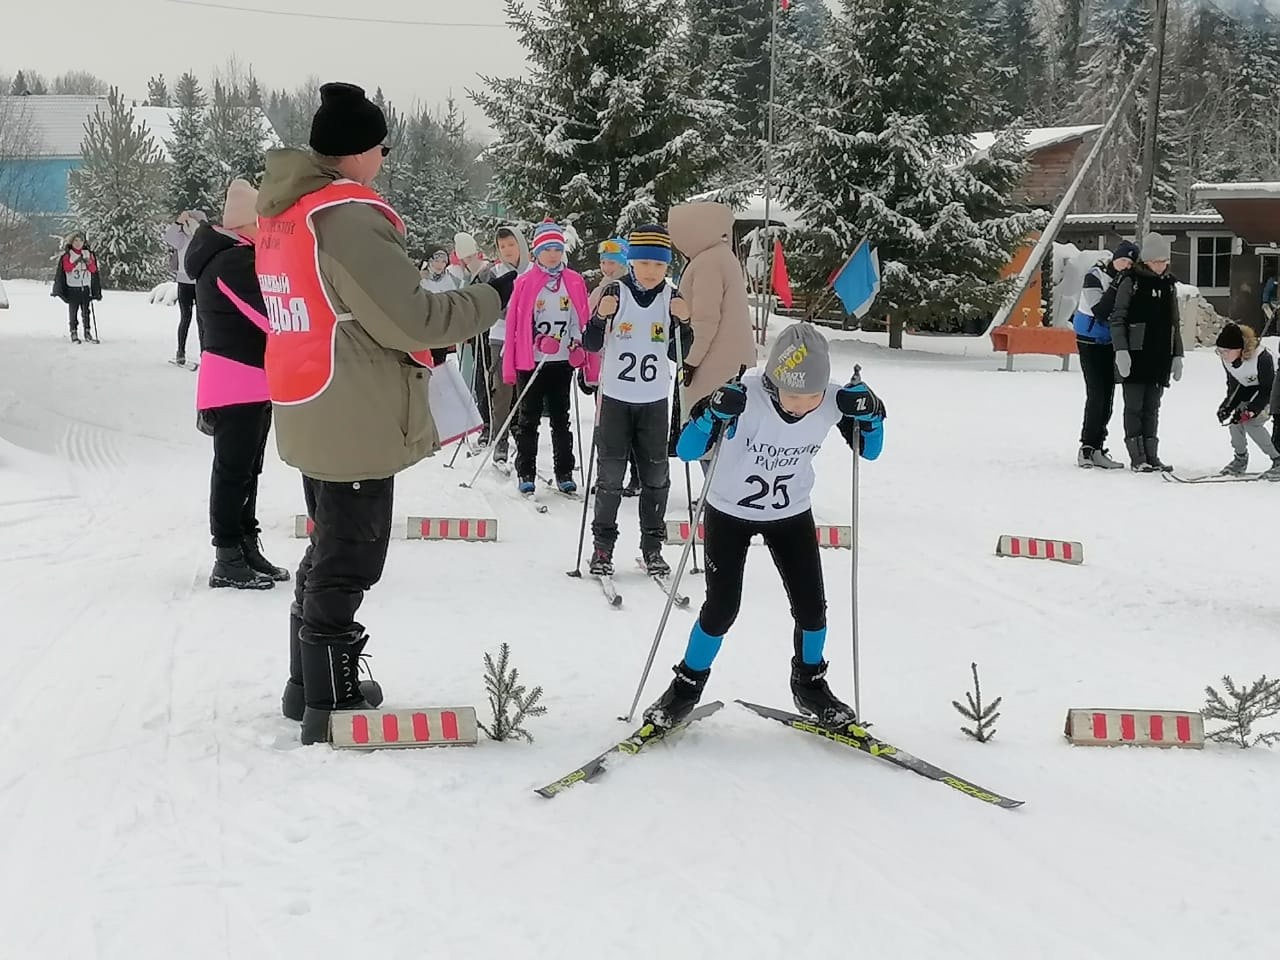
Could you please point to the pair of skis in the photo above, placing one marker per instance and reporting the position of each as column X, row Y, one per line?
column 852, row 735
column 614, row 598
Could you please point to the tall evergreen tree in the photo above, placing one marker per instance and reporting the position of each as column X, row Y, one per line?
column 158, row 92
column 454, row 206
column 1023, row 57
column 883, row 152
column 19, row 87
column 115, row 196
column 194, row 176
column 728, row 48
column 235, row 135
column 1118, row 43
column 605, row 130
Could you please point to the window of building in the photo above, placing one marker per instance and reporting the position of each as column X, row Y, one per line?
column 1211, row 264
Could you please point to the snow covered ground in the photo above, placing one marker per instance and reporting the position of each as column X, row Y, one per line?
column 153, row 803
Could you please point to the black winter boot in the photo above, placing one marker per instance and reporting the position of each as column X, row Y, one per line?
column 230, row 569
column 1137, row 455
column 293, row 703
column 331, row 677
column 1153, row 456
column 601, row 564
column 253, row 556
column 814, row 698
column 680, row 699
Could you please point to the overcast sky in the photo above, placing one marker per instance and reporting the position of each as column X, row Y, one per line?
column 126, row 41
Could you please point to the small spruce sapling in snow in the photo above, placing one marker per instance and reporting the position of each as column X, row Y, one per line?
column 1241, row 709
column 984, row 718
column 507, row 694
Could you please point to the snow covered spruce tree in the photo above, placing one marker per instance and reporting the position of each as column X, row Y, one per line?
column 728, row 52
column 605, row 130
column 1116, row 45
column 878, row 147
column 116, row 196
column 236, row 140
column 192, row 171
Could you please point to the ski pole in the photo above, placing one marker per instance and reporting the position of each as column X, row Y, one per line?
column 586, row 497
column 515, row 408
column 675, row 583
column 853, row 562
column 577, row 425
column 688, row 476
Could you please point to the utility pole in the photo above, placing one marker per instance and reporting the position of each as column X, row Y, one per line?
column 1147, row 185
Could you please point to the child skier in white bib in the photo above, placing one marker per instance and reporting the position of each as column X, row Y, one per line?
column 772, row 423
column 1251, row 380
column 640, row 326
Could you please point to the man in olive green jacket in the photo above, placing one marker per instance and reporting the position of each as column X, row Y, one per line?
column 350, row 333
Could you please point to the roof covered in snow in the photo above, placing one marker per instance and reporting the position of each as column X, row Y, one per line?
column 59, row 121
column 1038, row 138
column 1131, row 220
column 1237, row 191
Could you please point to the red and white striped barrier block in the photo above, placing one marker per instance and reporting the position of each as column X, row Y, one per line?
column 471, row 529
column 1064, row 551
column 1137, row 728
column 452, row 528
column 829, row 535
column 384, row 729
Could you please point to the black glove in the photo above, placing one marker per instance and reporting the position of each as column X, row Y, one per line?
column 504, row 284
column 686, row 375
column 859, row 401
column 727, row 402
column 1224, row 412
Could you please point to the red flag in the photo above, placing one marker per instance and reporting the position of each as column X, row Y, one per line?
column 781, row 282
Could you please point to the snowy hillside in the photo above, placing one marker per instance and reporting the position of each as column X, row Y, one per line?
column 154, row 804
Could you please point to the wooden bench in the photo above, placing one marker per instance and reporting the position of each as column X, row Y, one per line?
column 1046, row 341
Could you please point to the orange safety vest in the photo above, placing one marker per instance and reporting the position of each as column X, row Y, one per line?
column 304, row 321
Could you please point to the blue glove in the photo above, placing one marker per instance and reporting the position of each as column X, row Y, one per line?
column 859, row 401
column 871, row 439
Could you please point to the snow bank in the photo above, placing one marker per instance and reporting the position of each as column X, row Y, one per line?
column 165, row 293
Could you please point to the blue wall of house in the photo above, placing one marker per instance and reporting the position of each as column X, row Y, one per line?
column 36, row 186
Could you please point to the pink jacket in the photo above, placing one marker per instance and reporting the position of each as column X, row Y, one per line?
column 518, row 353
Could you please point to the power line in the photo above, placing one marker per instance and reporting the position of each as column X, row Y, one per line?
column 327, row 16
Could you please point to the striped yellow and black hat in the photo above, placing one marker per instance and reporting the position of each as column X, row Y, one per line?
column 650, row 241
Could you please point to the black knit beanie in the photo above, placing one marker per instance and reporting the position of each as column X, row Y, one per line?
column 1231, row 338
column 347, row 123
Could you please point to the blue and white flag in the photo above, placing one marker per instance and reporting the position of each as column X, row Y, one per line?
column 858, row 281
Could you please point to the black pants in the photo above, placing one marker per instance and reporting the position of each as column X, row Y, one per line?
column 78, row 303
column 239, row 445
column 793, row 544
column 551, row 388
column 186, row 307
column 1142, row 410
column 1098, row 363
column 630, row 430
column 347, row 552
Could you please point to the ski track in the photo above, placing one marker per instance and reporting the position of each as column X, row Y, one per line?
column 156, row 805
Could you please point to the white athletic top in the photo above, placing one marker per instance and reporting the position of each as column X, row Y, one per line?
column 554, row 314
column 765, row 470
column 1247, row 372
column 635, row 367
column 445, row 283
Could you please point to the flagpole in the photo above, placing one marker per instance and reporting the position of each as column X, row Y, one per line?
column 762, row 312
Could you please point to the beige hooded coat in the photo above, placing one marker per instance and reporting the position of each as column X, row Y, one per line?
column 716, row 290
